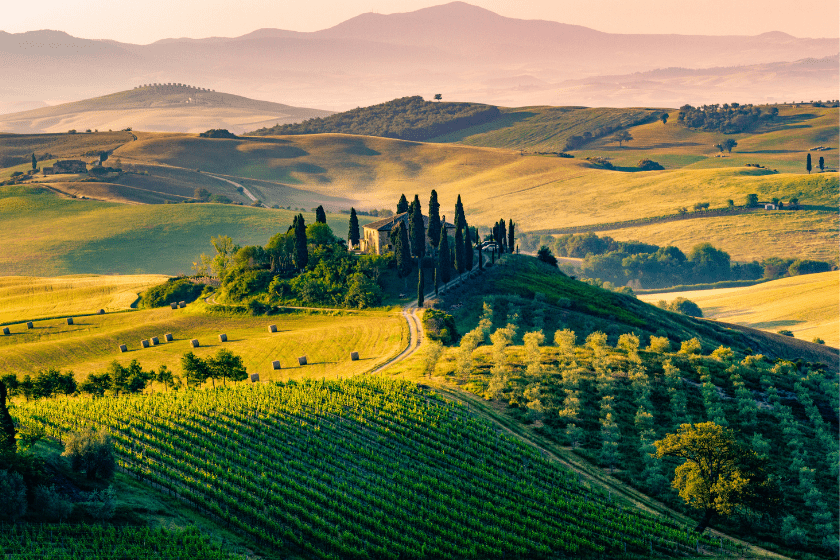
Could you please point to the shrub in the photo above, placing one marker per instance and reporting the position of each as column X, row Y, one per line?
column 171, row 291
column 690, row 346
column 649, row 165
column 659, row 344
column 440, row 326
column 217, row 133
column 600, row 162
column 92, row 452
column 544, row 255
column 13, row 490
column 51, row 505
column 785, row 332
column 685, row 306
column 101, row 504
column 818, row 340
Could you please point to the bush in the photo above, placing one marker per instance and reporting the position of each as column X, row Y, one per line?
column 785, row 332
column 685, row 306
column 440, row 326
column 818, row 340
column 49, row 504
column 544, row 255
column 217, row 133
column 171, row 291
column 659, row 344
column 92, row 452
column 13, row 490
column 690, row 346
column 101, row 504
column 649, row 165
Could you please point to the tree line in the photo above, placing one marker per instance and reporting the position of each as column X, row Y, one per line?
column 729, row 118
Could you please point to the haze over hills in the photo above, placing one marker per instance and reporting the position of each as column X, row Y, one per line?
column 174, row 108
column 462, row 51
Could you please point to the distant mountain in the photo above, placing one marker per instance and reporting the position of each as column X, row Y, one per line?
column 462, row 51
column 173, row 108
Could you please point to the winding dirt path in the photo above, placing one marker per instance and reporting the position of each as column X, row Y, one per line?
column 245, row 190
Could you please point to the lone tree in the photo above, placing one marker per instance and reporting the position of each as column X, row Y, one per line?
column 438, row 97
column 821, row 163
column 752, row 200
column 622, row 136
column 418, row 230
column 727, row 145
column 320, row 215
column 35, row 162
column 544, row 254
column 664, row 118
column 301, row 250
column 808, row 163
column 402, row 205
column 718, row 473
column 353, row 234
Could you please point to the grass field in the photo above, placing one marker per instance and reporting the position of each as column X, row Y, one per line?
column 17, row 149
column 808, row 305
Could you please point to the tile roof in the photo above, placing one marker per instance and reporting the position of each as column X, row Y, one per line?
column 387, row 224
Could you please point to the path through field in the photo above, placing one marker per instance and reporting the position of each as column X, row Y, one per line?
column 245, row 191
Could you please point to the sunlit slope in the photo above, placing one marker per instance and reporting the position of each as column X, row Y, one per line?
column 17, row 149
column 52, row 235
column 24, row 297
column 362, row 468
column 92, row 342
column 808, row 306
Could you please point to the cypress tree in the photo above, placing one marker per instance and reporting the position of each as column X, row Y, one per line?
column 434, row 219
column 418, row 230
column 459, row 211
column 402, row 205
column 420, row 287
column 301, row 251
column 502, row 236
column 443, row 255
column 480, row 258
column 402, row 252
column 320, row 215
column 459, row 250
column 468, row 248
column 808, row 163
column 34, row 162
column 353, row 234
column 7, row 426
column 510, row 235
column 821, row 163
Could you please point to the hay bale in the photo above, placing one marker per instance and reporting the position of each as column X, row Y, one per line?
column 154, row 340
column 29, row 325
column 123, row 348
column 222, row 338
column 194, row 343
column 302, row 361
column 69, row 320
column 144, row 343
column 168, row 337
column 173, row 305
column 255, row 377
column 272, row 328
column 275, row 364
column 101, row 312
column 182, row 304
column 6, row 330
column 354, row 356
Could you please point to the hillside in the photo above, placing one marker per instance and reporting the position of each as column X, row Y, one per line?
column 363, row 467
column 805, row 305
column 165, row 108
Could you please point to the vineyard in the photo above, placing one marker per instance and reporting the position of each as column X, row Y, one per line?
column 363, row 468
column 70, row 542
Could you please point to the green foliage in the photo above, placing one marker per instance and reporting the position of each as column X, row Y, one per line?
column 407, row 118
column 545, row 255
column 92, row 452
column 217, row 133
column 50, row 504
column 117, row 379
column 173, row 290
column 8, row 443
column 353, row 234
column 320, row 215
column 649, row 165
column 682, row 305
column 301, row 249
column 417, row 229
column 13, row 490
column 727, row 118
column 434, row 219
column 439, row 325
column 402, row 250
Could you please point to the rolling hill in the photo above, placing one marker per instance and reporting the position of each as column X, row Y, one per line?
column 165, row 108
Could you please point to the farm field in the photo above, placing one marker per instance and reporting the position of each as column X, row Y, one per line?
column 805, row 305
column 29, row 298
column 92, row 342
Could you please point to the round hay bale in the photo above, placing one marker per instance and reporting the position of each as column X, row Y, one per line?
column 194, row 343
column 275, row 364
column 29, row 325
column 182, row 304
column 6, row 330
column 168, row 337
column 255, row 377
column 154, row 340
column 173, row 305
column 354, row 356
column 144, row 343
column 123, row 348
column 302, row 361
column 272, row 328
column 101, row 312
column 69, row 320
column 222, row 338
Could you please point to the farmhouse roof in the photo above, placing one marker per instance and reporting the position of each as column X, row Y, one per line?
column 387, row 224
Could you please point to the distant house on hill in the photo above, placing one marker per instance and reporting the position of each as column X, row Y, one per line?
column 769, row 206
column 376, row 238
column 66, row 166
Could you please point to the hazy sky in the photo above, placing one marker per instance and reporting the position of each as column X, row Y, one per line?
column 146, row 21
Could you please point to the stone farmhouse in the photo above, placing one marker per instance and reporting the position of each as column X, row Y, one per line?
column 66, row 166
column 376, row 236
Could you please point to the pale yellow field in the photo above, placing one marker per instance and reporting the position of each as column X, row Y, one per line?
column 808, row 306
column 25, row 298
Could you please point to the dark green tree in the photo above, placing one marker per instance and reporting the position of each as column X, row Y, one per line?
column 664, row 118
column 752, row 200
column 821, row 163
column 226, row 365
column 301, row 250
column 438, row 97
column 196, row 370
column 434, row 219
column 91, row 451
column 502, row 236
column 402, row 251
column 480, row 258
column 460, row 265
column 444, row 258
column 420, row 286
column 353, row 235
column 34, row 162
column 510, row 236
column 402, row 205
column 808, row 163
column 459, row 212
column 544, row 254
column 622, row 136
column 320, row 215
column 418, row 230
column 7, row 426
column 468, row 248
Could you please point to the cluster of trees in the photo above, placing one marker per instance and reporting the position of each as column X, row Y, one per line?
column 44, row 384
column 203, row 195
column 729, row 118
column 172, row 291
column 217, row 133
column 407, row 118
column 577, row 141
column 809, row 167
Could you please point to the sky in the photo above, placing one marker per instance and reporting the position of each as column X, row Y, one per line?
column 146, row 21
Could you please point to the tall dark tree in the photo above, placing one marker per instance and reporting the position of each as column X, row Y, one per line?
column 821, row 163
column 443, row 255
column 301, row 250
column 402, row 251
column 7, row 426
column 418, row 230
column 808, row 163
column 510, row 236
column 460, row 265
column 320, row 215
column 468, row 248
column 420, row 286
column 459, row 211
column 434, row 219
column 353, row 235
column 402, row 205
column 480, row 258
column 664, row 118
column 502, row 236
column 34, row 162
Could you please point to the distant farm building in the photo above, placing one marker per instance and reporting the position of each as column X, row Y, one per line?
column 769, row 206
column 376, row 238
column 66, row 166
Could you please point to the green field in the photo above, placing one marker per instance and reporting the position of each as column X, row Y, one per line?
column 805, row 305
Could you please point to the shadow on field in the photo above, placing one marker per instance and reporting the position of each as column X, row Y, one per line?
column 774, row 324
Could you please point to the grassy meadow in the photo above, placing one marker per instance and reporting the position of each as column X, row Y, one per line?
column 805, row 305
